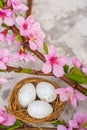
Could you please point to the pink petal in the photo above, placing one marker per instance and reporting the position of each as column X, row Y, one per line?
column 80, row 117
column 60, row 90
column 58, row 70
column 64, row 97
column 76, row 62
column 2, row 119
column 23, row 7
column 73, row 100
column 73, row 123
column 20, row 20
column 7, row 12
column 80, row 96
column 9, row 21
column 84, row 70
column 2, row 66
column 10, row 120
column 9, row 3
column 61, row 127
column 47, row 68
column 62, row 93
column 70, row 89
column 52, row 50
column 62, row 60
column 33, row 46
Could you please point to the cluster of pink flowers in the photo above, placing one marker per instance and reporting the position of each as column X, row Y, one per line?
column 77, row 122
column 71, row 94
column 31, row 29
column 5, row 118
column 54, row 63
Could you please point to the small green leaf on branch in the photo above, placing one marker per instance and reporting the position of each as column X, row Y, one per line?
column 66, row 68
column 77, row 76
column 18, row 38
column 28, row 71
column 1, row 4
column 45, row 48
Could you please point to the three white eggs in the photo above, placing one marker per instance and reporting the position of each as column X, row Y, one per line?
column 37, row 108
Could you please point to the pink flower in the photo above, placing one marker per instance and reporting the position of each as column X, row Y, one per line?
column 4, row 58
column 6, row 17
column 7, row 38
column 23, row 24
column 62, row 127
column 17, row 5
column 23, row 57
column 76, row 62
column 78, row 121
column 5, row 118
column 2, row 80
column 54, row 63
column 36, row 36
column 70, row 94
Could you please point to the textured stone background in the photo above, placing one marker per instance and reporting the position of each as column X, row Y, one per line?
column 65, row 25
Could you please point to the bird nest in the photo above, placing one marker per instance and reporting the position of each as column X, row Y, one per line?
column 21, row 113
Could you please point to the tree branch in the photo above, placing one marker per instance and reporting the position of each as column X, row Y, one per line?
column 41, row 57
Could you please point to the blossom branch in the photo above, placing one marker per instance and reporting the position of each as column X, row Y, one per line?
column 41, row 57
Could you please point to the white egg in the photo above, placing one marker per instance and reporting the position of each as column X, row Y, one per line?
column 39, row 109
column 26, row 94
column 46, row 91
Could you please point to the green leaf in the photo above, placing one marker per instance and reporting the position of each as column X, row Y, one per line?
column 66, row 68
column 57, row 122
column 15, row 126
column 4, row 25
column 84, row 125
column 77, row 76
column 2, row 127
column 71, row 70
column 45, row 48
column 1, row 3
column 85, row 92
column 18, row 38
column 28, row 71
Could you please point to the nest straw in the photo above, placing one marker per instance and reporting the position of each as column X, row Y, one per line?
column 21, row 113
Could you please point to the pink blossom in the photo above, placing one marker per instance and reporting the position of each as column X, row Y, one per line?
column 54, row 63
column 76, row 62
column 5, row 118
column 2, row 80
column 17, row 5
column 4, row 58
column 62, row 127
column 36, row 36
column 23, row 57
column 78, row 121
column 6, row 17
column 70, row 94
column 23, row 24
column 7, row 38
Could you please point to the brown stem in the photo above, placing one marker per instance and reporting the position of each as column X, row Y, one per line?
column 29, row 3
column 35, row 72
